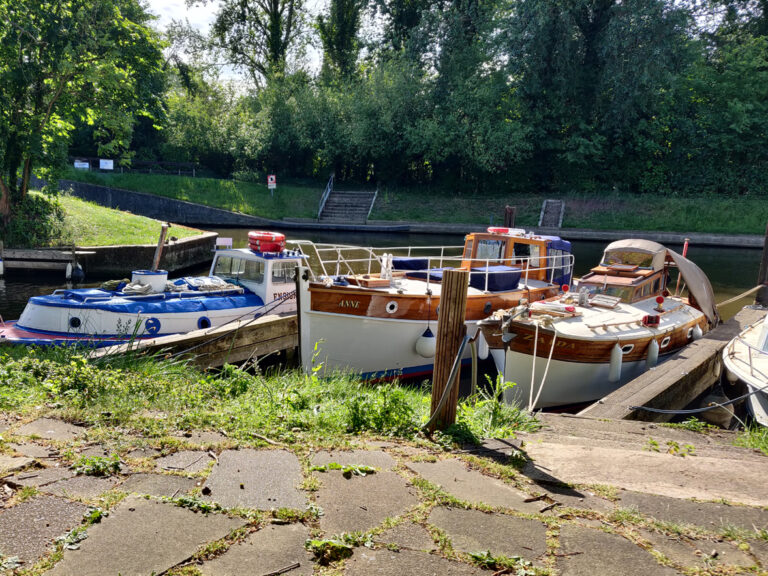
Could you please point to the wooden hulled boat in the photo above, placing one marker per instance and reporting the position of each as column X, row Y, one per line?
column 621, row 321
column 242, row 284
column 746, row 359
column 374, row 312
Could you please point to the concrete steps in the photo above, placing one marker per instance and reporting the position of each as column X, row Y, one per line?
column 351, row 207
column 552, row 214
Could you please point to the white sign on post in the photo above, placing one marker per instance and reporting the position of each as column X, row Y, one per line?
column 80, row 165
column 271, row 183
column 106, row 164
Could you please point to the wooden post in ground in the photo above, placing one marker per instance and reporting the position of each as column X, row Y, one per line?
column 160, row 245
column 450, row 332
column 509, row 216
column 762, row 278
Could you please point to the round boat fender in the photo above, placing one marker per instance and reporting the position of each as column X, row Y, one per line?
column 697, row 332
column 614, row 369
column 652, row 357
column 426, row 344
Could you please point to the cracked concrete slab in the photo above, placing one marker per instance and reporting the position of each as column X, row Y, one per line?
column 51, row 429
column 10, row 464
column 86, row 487
column 408, row 535
column 375, row 458
column 32, row 450
column 709, row 515
column 190, row 461
column 361, row 503
column 472, row 486
column 142, row 537
column 267, row 551
column 160, row 485
column 40, row 477
column 476, row 531
column 383, row 562
column 261, row 479
column 29, row 529
column 202, row 437
column 585, row 552
column 698, row 553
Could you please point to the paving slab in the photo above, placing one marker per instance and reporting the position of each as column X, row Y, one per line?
column 375, row 458
column 408, row 535
column 28, row 529
column 476, row 531
column 704, row 478
column 12, row 463
column 142, row 537
column 86, row 487
column 362, row 503
column 32, row 450
column 578, row 498
column 586, row 552
column 709, row 515
column 160, row 485
column 40, row 477
column 261, row 479
column 383, row 562
column 203, row 437
column 760, row 549
column 98, row 451
column 4, row 424
column 143, row 453
column 51, row 429
column 190, row 461
column 472, row 486
column 698, row 553
column 267, row 551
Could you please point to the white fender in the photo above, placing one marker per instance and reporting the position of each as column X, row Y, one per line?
column 614, row 370
column 426, row 344
column 68, row 273
column 653, row 354
column 2, row 268
column 697, row 332
column 482, row 347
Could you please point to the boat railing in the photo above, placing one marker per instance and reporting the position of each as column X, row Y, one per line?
column 329, row 260
column 752, row 352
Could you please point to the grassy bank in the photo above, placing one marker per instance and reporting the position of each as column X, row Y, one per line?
column 604, row 211
column 88, row 224
column 289, row 200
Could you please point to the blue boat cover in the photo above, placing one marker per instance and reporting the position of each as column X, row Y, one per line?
column 150, row 305
column 434, row 274
column 409, row 263
column 500, row 278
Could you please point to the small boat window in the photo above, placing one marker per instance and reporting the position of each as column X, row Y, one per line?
column 283, row 272
column 639, row 259
column 468, row 250
column 627, row 348
column 239, row 269
column 490, row 250
column 665, row 342
column 690, row 333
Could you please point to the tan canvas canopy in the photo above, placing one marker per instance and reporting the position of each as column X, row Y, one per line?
column 697, row 282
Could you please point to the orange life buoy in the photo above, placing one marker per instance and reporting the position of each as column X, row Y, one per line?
column 261, row 241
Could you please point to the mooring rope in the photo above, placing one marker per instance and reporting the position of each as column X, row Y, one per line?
column 740, row 296
column 699, row 410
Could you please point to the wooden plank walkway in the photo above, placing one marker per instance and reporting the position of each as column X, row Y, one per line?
column 212, row 347
column 676, row 382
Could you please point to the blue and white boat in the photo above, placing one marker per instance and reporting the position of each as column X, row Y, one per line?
column 243, row 283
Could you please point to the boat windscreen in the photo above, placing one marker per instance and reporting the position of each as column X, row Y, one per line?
column 628, row 257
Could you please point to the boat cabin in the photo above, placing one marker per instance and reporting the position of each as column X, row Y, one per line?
column 630, row 270
column 547, row 258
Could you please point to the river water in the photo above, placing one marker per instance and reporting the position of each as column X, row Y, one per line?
column 731, row 270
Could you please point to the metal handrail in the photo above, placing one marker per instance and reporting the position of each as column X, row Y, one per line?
column 326, row 194
column 750, row 349
column 370, row 208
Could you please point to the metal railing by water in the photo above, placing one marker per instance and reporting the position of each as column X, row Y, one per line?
column 326, row 194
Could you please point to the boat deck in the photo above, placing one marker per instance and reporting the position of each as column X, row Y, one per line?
column 414, row 286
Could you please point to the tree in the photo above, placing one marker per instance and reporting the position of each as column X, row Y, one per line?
column 67, row 60
column 256, row 34
column 338, row 33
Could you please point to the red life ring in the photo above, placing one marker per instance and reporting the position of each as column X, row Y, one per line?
column 261, row 241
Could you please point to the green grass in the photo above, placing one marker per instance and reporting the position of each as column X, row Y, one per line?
column 298, row 201
column 756, row 437
column 88, row 224
column 602, row 211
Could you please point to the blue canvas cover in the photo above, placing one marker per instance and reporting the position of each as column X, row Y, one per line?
column 500, row 278
column 434, row 274
column 409, row 263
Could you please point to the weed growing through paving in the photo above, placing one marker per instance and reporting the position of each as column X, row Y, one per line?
column 346, row 471
column 503, row 564
column 692, row 424
column 754, row 436
column 97, row 465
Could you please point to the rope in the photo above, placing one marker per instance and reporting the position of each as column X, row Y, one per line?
column 533, row 365
column 546, row 368
column 451, row 382
column 699, row 410
column 740, row 296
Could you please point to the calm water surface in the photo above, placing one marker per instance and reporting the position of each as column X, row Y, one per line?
column 731, row 270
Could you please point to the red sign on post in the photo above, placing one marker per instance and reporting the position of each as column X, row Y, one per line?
column 272, row 181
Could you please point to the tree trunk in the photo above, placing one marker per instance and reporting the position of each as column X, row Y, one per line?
column 5, row 203
column 25, row 174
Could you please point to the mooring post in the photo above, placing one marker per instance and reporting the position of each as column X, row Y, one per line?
column 509, row 216
column 159, row 249
column 450, row 332
column 762, row 278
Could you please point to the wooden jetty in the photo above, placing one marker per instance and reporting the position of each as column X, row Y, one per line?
column 229, row 344
column 41, row 258
column 678, row 381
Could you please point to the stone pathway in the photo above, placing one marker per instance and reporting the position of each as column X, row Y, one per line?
column 229, row 510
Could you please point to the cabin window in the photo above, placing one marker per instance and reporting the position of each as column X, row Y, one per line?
column 492, row 250
column 628, row 258
column 468, row 250
column 559, row 263
column 228, row 268
column 254, row 271
column 656, row 285
column 283, row 272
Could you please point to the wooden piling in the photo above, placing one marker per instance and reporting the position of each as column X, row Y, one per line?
column 509, row 216
column 160, row 245
column 762, row 278
column 450, row 332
